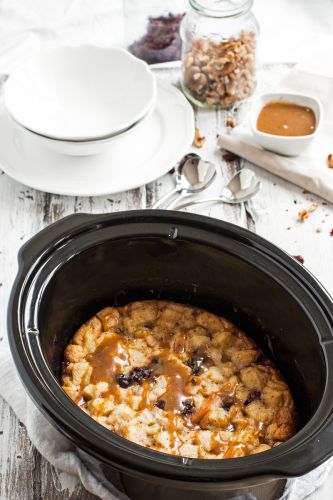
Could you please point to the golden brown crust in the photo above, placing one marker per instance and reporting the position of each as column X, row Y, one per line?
column 178, row 379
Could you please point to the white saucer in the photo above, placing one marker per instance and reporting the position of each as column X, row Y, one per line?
column 131, row 161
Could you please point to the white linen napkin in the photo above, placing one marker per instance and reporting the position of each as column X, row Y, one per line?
column 58, row 450
column 309, row 170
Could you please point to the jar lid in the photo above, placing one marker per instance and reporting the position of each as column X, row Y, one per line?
column 221, row 8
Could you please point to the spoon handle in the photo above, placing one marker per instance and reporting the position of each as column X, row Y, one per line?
column 174, row 203
column 198, row 202
column 164, row 198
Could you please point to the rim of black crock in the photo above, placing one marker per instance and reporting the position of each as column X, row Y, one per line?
column 295, row 457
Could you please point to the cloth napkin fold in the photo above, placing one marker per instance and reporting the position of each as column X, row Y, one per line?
column 57, row 449
column 309, row 170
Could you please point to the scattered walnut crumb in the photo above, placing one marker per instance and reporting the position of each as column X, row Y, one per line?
column 304, row 214
column 314, row 206
column 318, row 230
column 199, row 140
column 231, row 122
column 330, row 161
column 288, row 228
column 305, row 191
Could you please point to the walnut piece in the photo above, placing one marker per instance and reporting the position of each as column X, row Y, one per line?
column 231, row 122
column 304, row 214
column 199, row 140
column 330, row 161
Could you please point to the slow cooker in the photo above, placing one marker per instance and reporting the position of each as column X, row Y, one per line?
column 84, row 262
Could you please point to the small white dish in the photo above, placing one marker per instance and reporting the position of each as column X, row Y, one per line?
column 79, row 148
column 284, row 145
column 129, row 162
column 80, row 93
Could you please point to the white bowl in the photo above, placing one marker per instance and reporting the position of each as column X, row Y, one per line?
column 80, row 93
column 284, row 145
column 78, row 148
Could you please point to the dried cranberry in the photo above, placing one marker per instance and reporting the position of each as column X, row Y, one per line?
column 299, row 258
column 139, row 374
column 228, row 402
column 228, row 156
column 124, row 381
column 198, row 363
column 160, row 404
column 252, row 396
column 331, row 233
column 161, row 42
column 188, row 407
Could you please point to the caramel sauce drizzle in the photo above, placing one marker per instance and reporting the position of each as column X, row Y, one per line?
column 175, row 441
column 234, row 447
column 216, row 443
column 110, row 359
column 177, row 376
column 107, row 361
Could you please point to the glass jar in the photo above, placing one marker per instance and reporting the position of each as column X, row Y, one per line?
column 219, row 52
column 152, row 29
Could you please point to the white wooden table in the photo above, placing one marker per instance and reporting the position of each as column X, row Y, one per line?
column 24, row 474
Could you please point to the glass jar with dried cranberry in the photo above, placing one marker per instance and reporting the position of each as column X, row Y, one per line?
column 152, row 29
column 219, row 52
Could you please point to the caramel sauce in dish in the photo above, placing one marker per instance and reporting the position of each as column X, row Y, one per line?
column 179, row 380
column 286, row 119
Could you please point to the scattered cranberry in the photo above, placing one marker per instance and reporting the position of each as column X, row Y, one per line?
column 228, row 402
column 299, row 258
column 134, row 377
column 198, row 364
column 139, row 374
column 124, row 381
column 188, row 407
column 160, row 404
column 228, row 156
column 253, row 395
column 331, row 233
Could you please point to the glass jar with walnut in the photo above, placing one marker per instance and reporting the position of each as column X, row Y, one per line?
column 219, row 52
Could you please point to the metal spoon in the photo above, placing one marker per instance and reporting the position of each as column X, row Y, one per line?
column 193, row 176
column 241, row 187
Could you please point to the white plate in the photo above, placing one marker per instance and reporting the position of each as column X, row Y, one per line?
column 80, row 93
column 131, row 161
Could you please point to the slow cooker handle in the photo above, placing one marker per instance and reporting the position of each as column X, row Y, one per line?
column 47, row 237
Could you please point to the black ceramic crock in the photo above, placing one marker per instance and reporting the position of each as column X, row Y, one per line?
column 76, row 266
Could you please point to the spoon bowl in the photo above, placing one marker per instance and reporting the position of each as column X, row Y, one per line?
column 241, row 187
column 193, row 176
column 196, row 174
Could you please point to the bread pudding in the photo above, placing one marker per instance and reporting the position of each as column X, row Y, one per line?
column 179, row 380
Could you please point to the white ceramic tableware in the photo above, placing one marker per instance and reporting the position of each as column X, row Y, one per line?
column 80, row 93
column 129, row 162
column 79, row 148
column 284, row 145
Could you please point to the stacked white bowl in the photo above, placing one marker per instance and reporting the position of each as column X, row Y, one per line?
column 76, row 100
